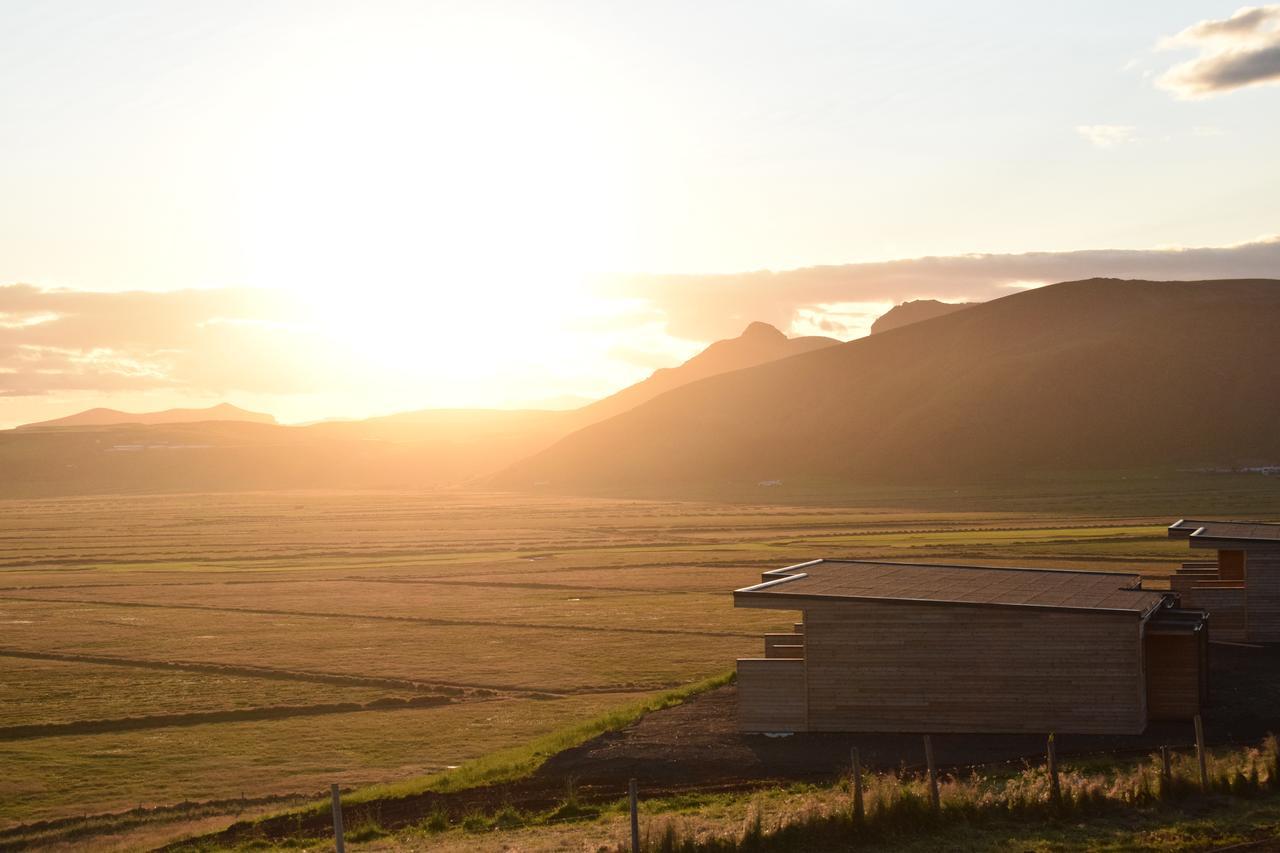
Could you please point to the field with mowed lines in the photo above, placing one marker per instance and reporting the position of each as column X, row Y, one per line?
column 231, row 649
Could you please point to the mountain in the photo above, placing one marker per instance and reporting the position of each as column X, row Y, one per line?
column 1089, row 375
column 107, row 417
column 914, row 312
column 759, row 343
column 406, row 450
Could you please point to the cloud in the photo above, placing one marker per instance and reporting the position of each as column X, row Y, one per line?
column 1235, row 52
column 709, row 307
column 1107, row 135
column 187, row 340
column 204, row 343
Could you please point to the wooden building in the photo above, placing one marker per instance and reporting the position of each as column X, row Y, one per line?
column 893, row 647
column 1240, row 586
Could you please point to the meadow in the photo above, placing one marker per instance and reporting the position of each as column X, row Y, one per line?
column 224, row 649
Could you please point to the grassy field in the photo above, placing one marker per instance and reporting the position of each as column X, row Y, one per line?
column 518, row 614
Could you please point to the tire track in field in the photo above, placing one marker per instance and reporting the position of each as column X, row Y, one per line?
column 230, row 715
column 383, row 617
column 448, row 688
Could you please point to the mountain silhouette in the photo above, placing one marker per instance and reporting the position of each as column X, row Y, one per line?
column 1088, row 375
column 108, row 417
column 916, row 311
column 759, row 343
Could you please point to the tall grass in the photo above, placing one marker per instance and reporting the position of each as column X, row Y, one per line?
column 897, row 804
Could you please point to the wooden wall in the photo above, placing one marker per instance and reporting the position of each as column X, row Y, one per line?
column 907, row 667
column 1173, row 676
column 1231, row 565
column 784, row 645
column 771, row 695
column 1225, row 603
column 1262, row 588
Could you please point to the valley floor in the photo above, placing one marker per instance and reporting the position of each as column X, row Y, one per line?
column 179, row 659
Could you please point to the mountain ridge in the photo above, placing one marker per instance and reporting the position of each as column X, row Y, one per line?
column 914, row 311
column 102, row 416
column 1098, row 373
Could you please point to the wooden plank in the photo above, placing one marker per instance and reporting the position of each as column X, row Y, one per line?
column 771, row 695
column 905, row 668
column 1173, row 676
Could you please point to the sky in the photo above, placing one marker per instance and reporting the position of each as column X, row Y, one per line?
column 335, row 209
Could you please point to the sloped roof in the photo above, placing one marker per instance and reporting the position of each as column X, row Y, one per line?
column 972, row 585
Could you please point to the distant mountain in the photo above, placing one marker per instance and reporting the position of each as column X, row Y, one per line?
column 108, row 417
column 915, row 312
column 1080, row 376
column 105, row 451
column 759, row 343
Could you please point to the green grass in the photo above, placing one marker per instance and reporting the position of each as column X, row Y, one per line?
column 660, row 565
column 517, row 762
column 496, row 767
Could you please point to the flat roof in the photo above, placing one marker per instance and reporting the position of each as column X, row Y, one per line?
column 1243, row 531
column 942, row 584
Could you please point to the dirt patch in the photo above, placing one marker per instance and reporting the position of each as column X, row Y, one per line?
column 696, row 747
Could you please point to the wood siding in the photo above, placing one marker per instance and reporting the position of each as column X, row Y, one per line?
column 907, row 667
column 1174, row 678
column 784, row 645
column 1262, row 589
column 1231, row 565
column 771, row 695
column 1228, row 615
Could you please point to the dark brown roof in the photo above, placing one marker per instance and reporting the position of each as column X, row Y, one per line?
column 1244, row 531
column 981, row 585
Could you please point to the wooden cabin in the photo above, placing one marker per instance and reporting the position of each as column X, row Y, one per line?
column 1240, row 586
column 892, row 647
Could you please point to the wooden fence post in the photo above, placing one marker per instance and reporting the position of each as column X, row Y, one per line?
column 1055, row 789
column 635, row 816
column 339, row 843
column 1200, row 755
column 933, row 773
column 858, row 812
column 1166, row 769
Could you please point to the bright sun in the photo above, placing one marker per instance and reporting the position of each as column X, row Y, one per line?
column 480, row 203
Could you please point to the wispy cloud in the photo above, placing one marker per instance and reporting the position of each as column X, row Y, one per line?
column 192, row 343
column 1107, row 135
column 704, row 308
column 190, row 340
column 1235, row 52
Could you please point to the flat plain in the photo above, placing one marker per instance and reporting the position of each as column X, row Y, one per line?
column 156, row 650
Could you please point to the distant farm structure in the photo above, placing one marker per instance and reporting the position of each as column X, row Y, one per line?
column 897, row 647
column 1240, row 587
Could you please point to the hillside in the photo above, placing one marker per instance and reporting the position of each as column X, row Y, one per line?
column 108, row 417
column 1082, row 375
column 916, row 311
column 759, row 343
column 190, row 450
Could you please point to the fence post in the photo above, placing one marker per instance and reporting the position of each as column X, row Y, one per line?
column 635, row 816
column 339, row 843
column 1055, row 789
column 1200, row 755
column 858, row 812
column 1166, row 769
column 933, row 773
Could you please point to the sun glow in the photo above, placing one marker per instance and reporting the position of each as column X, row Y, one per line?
column 462, row 242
